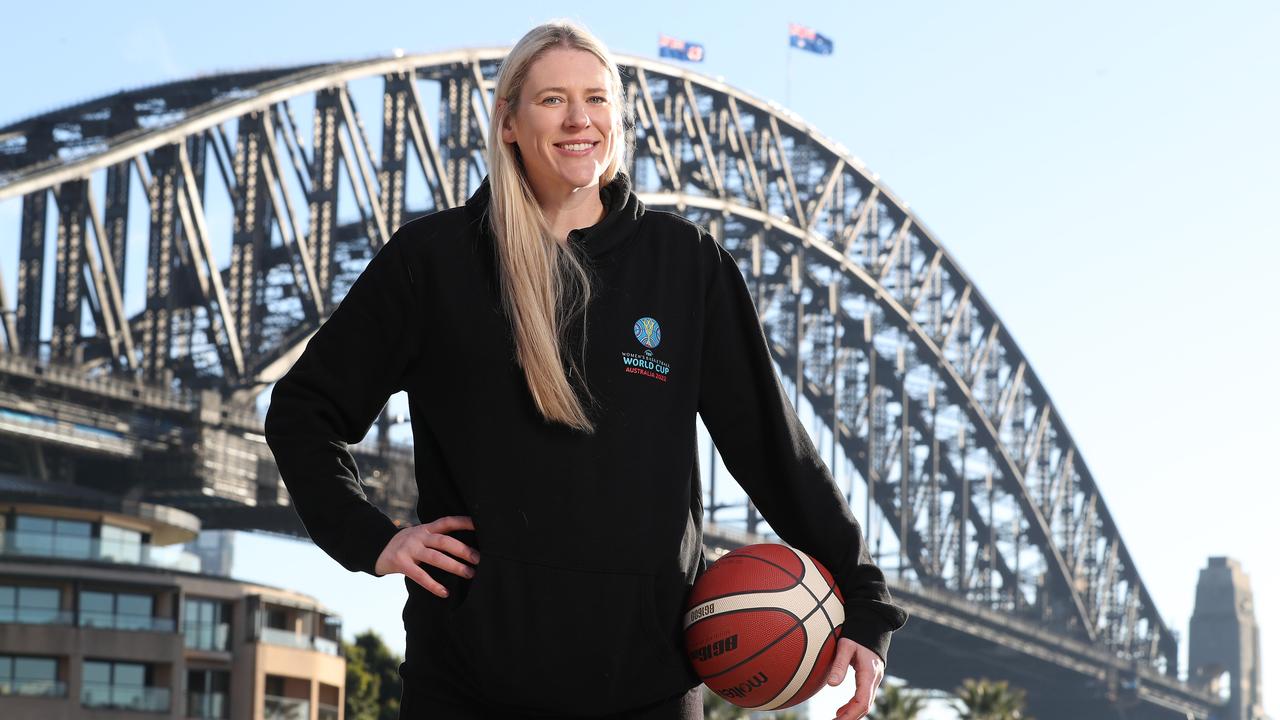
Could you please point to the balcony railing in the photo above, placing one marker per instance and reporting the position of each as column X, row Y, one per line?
column 35, row 616
column 275, row 707
column 125, row 621
column 34, row 688
column 288, row 638
column 208, row 706
column 126, row 697
column 15, row 543
column 206, row 636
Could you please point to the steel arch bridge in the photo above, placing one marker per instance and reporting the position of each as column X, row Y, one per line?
column 194, row 235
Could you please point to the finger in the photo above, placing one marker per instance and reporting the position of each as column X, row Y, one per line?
column 864, row 675
column 451, row 522
column 844, row 656
column 420, row 576
column 444, row 562
column 875, row 684
column 452, row 545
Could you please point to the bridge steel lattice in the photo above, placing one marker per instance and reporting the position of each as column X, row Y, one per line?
column 250, row 201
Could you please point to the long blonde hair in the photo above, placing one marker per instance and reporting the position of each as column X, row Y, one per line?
column 544, row 284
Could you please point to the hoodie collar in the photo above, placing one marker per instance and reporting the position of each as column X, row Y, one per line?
column 623, row 211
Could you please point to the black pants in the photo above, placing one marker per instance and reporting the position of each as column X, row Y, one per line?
column 422, row 706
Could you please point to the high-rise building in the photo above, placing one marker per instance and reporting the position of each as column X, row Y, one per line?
column 100, row 608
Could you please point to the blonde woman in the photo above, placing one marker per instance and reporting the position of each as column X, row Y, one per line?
column 556, row 339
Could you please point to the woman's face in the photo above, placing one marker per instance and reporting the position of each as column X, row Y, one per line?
column 563, row 124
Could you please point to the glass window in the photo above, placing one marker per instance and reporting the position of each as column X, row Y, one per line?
column 97, row 609
column 207, row 694
column 72, row 539
column 97, row 672
column 38, row 605
column 131, row 674
column 33, row 536
column 121, row 545
column 8, row 596
column 21, row 675
column 27, row 669
column 128, row 604
column 33, row 524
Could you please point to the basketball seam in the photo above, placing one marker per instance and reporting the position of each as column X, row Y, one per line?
column 799, row 624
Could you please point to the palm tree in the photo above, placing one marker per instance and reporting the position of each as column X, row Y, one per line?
column 897, row 702
column 989, row 700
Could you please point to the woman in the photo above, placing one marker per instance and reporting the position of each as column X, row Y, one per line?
column 556, row 340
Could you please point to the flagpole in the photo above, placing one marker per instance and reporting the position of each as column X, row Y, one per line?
column 788, row 83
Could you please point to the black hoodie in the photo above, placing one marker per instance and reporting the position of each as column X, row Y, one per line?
column 589, row 544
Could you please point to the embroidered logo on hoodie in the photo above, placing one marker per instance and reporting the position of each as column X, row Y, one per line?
column 648, row 333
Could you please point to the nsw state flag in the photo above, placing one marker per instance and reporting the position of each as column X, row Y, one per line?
column 806, row 38
column 670, row 47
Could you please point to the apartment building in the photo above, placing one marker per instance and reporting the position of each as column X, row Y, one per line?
column 102, row 615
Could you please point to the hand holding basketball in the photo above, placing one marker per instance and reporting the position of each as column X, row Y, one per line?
column 868, row 672
column 428, row 543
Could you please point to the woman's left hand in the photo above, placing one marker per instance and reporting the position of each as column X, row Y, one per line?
column 868, row 671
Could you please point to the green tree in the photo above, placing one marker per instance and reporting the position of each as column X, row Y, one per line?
column 362, row 686
column 897, row 702
column 373, row 679
column 990, row 700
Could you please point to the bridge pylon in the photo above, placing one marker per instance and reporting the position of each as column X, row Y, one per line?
column 1224, row 654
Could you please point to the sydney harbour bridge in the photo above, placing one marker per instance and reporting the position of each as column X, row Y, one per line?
column 177, row 245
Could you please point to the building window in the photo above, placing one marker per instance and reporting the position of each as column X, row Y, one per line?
column 208, row 694
column 31, row 605
column 206, row 624
column 121, row 611
column 124, row 685
column 33, row 676
column 120, row 545
column 53, row 537
column 281, row 700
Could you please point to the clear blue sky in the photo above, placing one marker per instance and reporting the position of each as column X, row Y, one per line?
column 1107, row 173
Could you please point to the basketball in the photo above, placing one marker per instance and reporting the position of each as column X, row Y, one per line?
column 761, row 626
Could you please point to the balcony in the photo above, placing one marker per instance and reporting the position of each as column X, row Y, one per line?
column 126, row 621
column 35, row 616
column 207, row 636
column 208, row 706
column 125, row 697
column 34, row 688
column 288, row 638
column 26, row 544
column 275, row 707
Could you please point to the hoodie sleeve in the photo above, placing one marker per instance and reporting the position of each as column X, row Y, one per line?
column 770, row 454
column 329, row 399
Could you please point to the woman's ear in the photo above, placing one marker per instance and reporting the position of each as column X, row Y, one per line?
column 508, row 134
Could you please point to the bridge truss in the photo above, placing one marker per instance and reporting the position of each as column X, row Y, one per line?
column 239, row 208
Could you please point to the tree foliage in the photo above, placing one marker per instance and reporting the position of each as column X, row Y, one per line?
column 990, row 700
column 373, row 679
column 897, row 702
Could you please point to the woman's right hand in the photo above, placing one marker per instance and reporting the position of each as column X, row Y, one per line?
column 428, row 543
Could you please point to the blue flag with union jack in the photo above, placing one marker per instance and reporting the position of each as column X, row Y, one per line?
column 806, row 38
column 670, row 47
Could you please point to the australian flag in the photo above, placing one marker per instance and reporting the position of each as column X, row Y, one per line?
column 807, row 38
column 670, row 47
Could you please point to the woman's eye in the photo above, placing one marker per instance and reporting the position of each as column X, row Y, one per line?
column 600, row 98
column 545, row 100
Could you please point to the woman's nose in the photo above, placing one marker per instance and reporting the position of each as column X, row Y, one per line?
column 578, row 116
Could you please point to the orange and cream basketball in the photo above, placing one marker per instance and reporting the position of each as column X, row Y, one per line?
column 761, row 626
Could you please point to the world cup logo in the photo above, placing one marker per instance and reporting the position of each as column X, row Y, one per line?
column 648, row 332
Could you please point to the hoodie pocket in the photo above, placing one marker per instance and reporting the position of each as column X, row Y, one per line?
column 557, row 639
